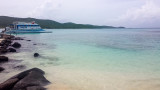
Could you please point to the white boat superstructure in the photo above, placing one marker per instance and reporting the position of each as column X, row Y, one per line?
column 24, row 27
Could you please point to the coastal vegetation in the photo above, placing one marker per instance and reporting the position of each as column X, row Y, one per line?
column 49, row 24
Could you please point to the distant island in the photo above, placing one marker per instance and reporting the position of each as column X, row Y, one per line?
column 49, row 24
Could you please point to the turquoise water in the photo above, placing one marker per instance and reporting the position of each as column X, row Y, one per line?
column 96, row 59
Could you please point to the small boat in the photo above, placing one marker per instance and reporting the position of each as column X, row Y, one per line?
column 24, row 27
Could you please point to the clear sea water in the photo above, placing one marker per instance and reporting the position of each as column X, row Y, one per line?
column 95, row 59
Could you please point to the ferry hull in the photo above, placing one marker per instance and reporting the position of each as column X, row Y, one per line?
column 28, row 31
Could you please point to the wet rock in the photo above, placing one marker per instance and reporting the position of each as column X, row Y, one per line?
column 16, row 45
column 1, row 69
column 3, row 58
column 12, row 50
column 36, row 55
column 18, row 38
column 20, row 67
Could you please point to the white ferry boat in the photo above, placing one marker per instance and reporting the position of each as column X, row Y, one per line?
column 24, row 27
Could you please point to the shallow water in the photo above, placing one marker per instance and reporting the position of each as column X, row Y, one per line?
column 95, row 59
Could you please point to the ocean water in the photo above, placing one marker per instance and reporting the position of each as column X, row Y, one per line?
column 94, row 59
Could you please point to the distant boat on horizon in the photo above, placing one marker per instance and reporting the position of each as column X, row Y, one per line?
column 24, row 27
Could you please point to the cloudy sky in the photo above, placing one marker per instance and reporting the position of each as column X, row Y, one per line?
column 128, row 13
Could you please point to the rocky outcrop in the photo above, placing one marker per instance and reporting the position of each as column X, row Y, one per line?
column 5, row 36
column 12, row 50
column 4, row 44
column 8, row 41
column 16, row 45
column 32, row 79
column 3, row 59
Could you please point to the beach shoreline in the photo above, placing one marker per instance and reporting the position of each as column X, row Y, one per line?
column 10, row 44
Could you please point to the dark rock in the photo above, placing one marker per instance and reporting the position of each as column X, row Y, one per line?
column 28, row 40
column 25, row 73
column 1, row 69
column 12, row 50
column 9, row 84
column 18, row 38
column 32, row 79
column 34, row 44
column 3, row 58
column 5, row 42
column 36, row 54
column 8, row 36
column 8, row 41
column 28, row 79
column 16, row 45
column 3, row 50
column 2, row 43
column 4, row 46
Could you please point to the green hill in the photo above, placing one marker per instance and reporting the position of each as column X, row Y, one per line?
column 49, row 24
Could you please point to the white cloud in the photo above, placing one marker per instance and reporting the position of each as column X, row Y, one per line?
column 130, row 13
column 47, row 10
column 145, row 16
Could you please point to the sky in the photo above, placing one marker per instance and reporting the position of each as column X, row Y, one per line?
column 127, row 13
